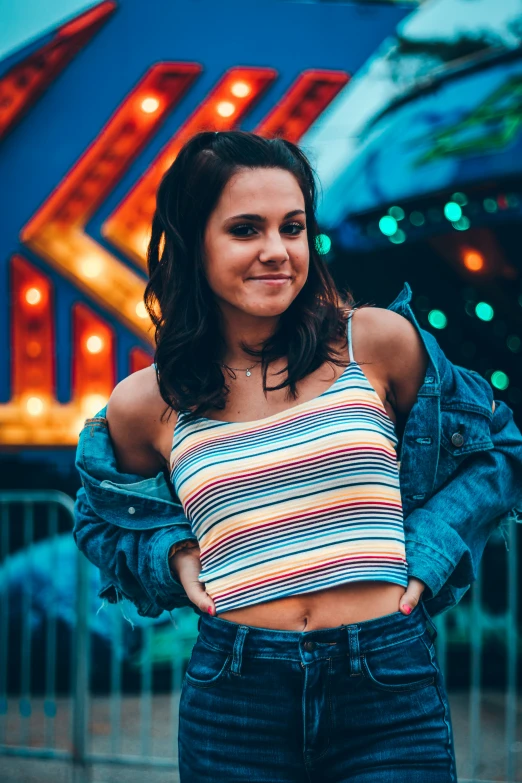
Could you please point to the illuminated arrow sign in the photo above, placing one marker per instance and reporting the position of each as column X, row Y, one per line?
column 57, row 231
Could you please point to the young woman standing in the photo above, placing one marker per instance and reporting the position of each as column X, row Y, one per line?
column 278, row 406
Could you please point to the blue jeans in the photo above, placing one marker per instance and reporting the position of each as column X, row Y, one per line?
column 364, row 703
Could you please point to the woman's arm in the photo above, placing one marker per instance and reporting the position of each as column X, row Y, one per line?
column 141, row 565
column 446, row 536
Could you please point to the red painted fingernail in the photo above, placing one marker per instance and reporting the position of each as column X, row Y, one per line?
column 407, row 609
column 209, row 610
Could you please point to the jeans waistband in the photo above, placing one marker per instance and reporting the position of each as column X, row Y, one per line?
column 362, row 637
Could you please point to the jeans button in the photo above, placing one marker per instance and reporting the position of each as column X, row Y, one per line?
column 309, row 646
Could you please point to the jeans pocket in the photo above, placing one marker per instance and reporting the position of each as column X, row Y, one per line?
column 206, row 666
column 405, row 666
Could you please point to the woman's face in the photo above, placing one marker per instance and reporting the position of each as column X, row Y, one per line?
column 258, row 263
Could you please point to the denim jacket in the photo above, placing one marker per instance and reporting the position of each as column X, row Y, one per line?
column 460, row 479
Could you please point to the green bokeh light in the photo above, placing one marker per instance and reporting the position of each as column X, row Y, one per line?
column 417, row 219
column 499, row 380
column 398, row 238
column 388, row 225
column 437, row 319
column 490, row 205
column 323, row 244
column 514, row 343
column 460, row 198
column 396, row 212
column 452, row 211
column 463, row 224
column 484, row 311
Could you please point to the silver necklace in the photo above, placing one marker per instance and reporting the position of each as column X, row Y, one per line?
column 240, row 369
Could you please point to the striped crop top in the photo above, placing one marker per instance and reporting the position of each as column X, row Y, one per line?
column 299, row 501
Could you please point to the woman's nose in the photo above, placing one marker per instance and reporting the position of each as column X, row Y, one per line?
column 274, row 249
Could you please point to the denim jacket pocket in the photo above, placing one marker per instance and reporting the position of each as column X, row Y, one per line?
column 463, row 432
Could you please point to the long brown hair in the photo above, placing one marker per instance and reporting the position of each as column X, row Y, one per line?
column 189, row 342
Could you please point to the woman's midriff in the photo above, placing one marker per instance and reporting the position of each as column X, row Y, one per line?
column 340, row 605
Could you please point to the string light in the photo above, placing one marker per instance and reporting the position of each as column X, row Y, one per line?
column 33, row 296
column 150, row 105
column 94, row 343
column 34, row 406
column 225, row 109
column 240, row 89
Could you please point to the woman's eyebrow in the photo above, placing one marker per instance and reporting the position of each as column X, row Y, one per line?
column 261, row 219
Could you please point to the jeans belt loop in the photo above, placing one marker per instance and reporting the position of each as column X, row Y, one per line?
column 355, row 654
column 238, row 649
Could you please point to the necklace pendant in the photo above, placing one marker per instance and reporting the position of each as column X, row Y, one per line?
column 248, row 373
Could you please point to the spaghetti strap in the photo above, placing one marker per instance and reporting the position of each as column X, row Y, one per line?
column 350, row 349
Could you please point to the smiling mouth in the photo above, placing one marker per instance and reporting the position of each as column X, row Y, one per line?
column 270, row 279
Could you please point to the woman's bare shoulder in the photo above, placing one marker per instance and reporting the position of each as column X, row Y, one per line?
column 136, row 426
column 395, row 343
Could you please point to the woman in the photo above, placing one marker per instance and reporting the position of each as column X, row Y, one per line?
column 282, row 451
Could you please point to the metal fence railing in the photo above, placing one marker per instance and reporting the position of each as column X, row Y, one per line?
column 87, row 687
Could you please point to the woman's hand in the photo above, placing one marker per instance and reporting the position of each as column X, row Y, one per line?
column 411, row 597
column 186, row 566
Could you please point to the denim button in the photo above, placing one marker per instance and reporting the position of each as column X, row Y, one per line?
column 132, row 510
column 309, row 646
column 457, row 439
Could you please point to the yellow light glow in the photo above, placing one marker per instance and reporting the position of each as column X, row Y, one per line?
column 92, row 403
column 144, row 244
column 33, row 296
column 34, row 406
column 141, row 310
column 150, row 105
column 225, row 109
column 91, row 267
column 241, row 89
column 94, row 343
column 473, row 260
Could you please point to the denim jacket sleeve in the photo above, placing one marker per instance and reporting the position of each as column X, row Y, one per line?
column 447, row 535
column 461, row 473
column 133, row 564
column 125, row 525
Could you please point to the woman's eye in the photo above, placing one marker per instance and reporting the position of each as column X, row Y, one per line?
column 297, row 225
column 237, row 230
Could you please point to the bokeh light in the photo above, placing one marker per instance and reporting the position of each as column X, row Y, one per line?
column 484, row 311
column 452, row 211
column 388, row 225
column 437, row 319
column 499, row 380
column 323, row 244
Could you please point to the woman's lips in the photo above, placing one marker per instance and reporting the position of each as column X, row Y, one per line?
column 271, row 280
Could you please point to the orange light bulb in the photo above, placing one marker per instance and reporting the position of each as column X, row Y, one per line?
column 473, row 261
column 33, row 296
